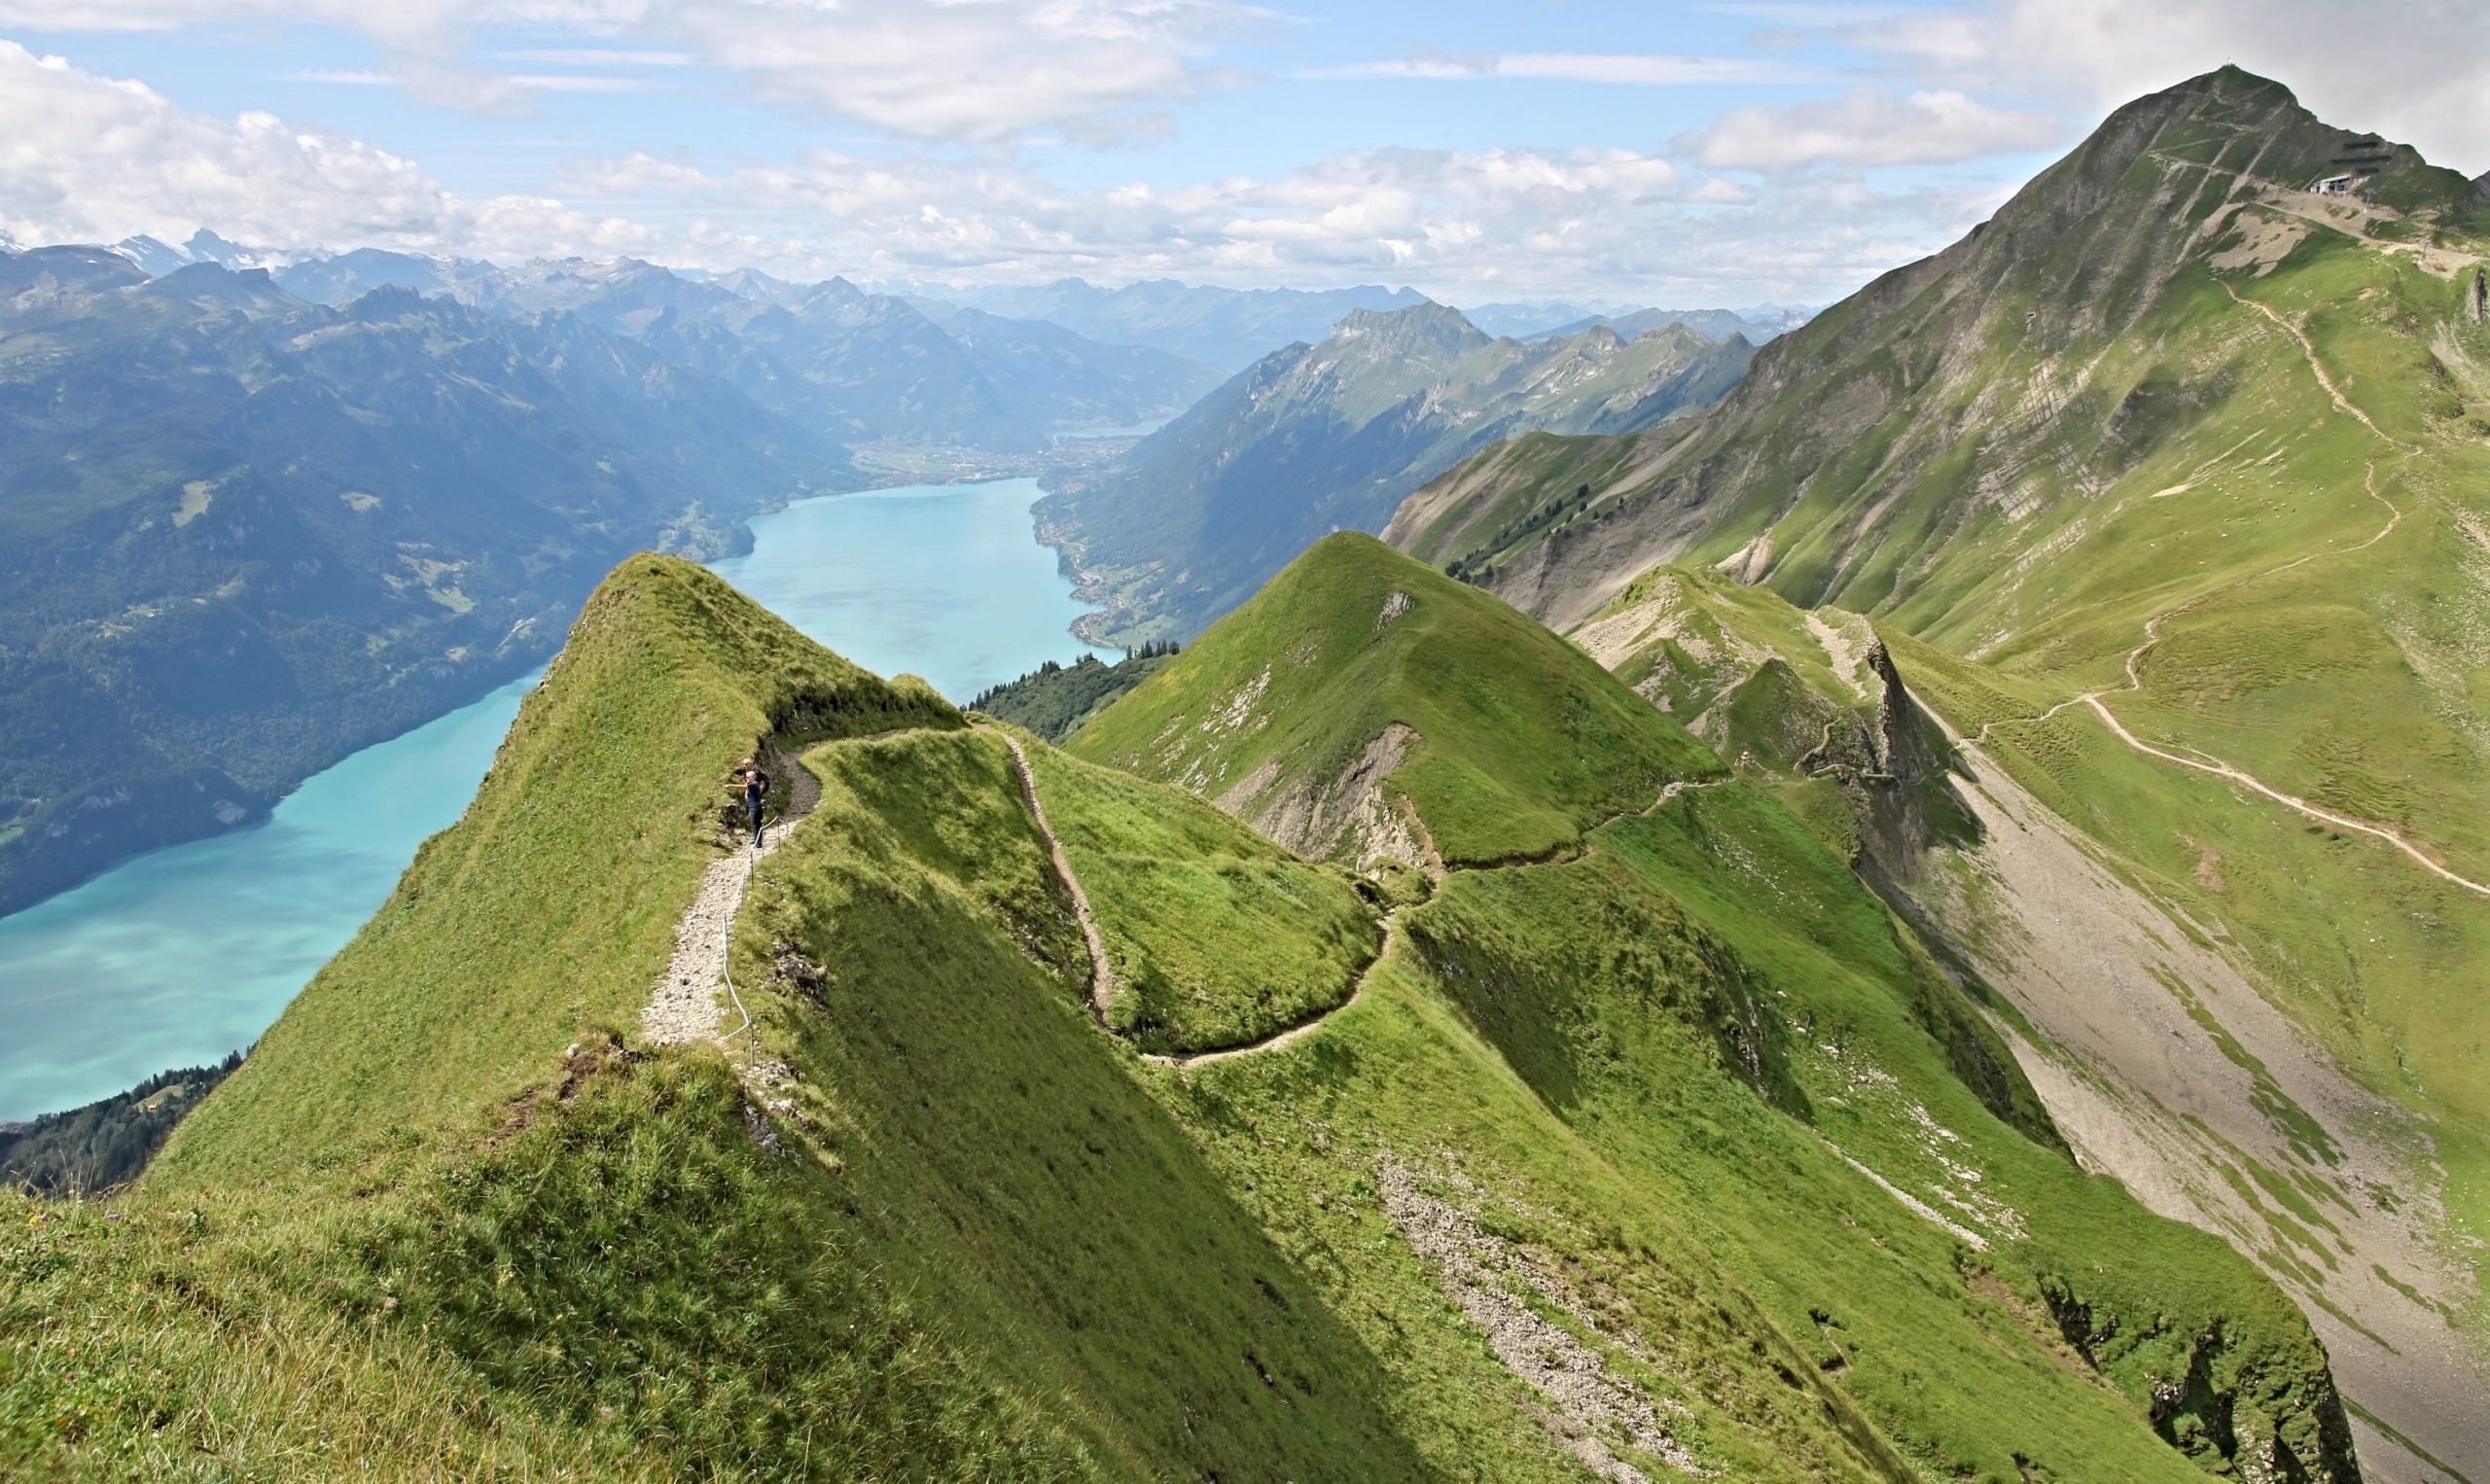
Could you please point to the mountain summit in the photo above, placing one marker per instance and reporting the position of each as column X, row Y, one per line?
column 2165, row 490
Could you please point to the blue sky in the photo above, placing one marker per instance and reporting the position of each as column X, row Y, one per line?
column 1680, row 153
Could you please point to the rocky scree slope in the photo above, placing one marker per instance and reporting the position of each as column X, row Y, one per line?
column 2134, row 1010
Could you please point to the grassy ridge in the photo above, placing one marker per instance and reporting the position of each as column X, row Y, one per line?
column 1200, row 1262
column 1669, row 1149
column 1521, row 740
column 996, row 1157
column 1709, row 984
column 550, row 908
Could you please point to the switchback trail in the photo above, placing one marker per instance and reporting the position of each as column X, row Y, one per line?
column 2207, row 762
column 1102, row 974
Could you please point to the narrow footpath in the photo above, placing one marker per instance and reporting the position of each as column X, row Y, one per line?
column 686, row 1006
column 1102, row 974
column 2207, row 762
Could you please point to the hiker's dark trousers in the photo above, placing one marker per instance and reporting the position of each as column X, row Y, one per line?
column 752, row 814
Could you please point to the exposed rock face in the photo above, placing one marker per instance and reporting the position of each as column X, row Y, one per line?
column 2480, row 307
column 1313, row 819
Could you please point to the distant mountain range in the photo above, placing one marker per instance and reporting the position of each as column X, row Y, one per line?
column 248, row 534
column 1331, row 436
column 1228, row 329
column 854, row 365
column 1754, row 325
column 1559, row 317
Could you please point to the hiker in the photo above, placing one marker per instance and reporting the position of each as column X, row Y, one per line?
column 753, row 786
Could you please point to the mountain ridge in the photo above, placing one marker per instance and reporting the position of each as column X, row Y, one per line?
column 1330, row 436
column 2162, row 489
column 934, row 1215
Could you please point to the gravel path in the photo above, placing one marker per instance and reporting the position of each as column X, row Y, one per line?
column 686, row 1006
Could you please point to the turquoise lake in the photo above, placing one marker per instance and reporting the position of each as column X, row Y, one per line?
column 186, row 953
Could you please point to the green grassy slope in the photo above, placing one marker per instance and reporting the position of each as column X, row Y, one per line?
column 2112, row 405
column 1693, row 989
column 2361, row 948
column 1217, row 936
column 1520, row 741
column 550, row 906
column 1858, row 1056
column 1667, row 1149
column 2173, row 431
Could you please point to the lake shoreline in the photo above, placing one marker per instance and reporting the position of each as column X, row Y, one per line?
column 181, row 953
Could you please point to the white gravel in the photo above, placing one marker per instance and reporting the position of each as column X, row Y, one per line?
column 1487, row 1278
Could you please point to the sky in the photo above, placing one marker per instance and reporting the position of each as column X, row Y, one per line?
column 1723, row 154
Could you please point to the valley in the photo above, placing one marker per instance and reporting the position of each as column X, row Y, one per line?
column 1560, row 891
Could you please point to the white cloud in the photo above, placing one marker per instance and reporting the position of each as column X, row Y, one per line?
column 1636, row 68
column 978, row 70
column 596, row 57
column 1483, row 224
column 82, row 157
column 575, row 82
column 973, row 70
column 1868, row 126
column 86, row 158
column 89, row 158
column 2412, row 71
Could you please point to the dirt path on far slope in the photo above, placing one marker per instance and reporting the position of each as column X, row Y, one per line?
column 1102, row 974
column 2308, row 348
column 2207, row 762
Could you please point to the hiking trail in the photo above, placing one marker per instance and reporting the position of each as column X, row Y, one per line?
column 1102, row 974
column 2207, row 762
column 686, row 1006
